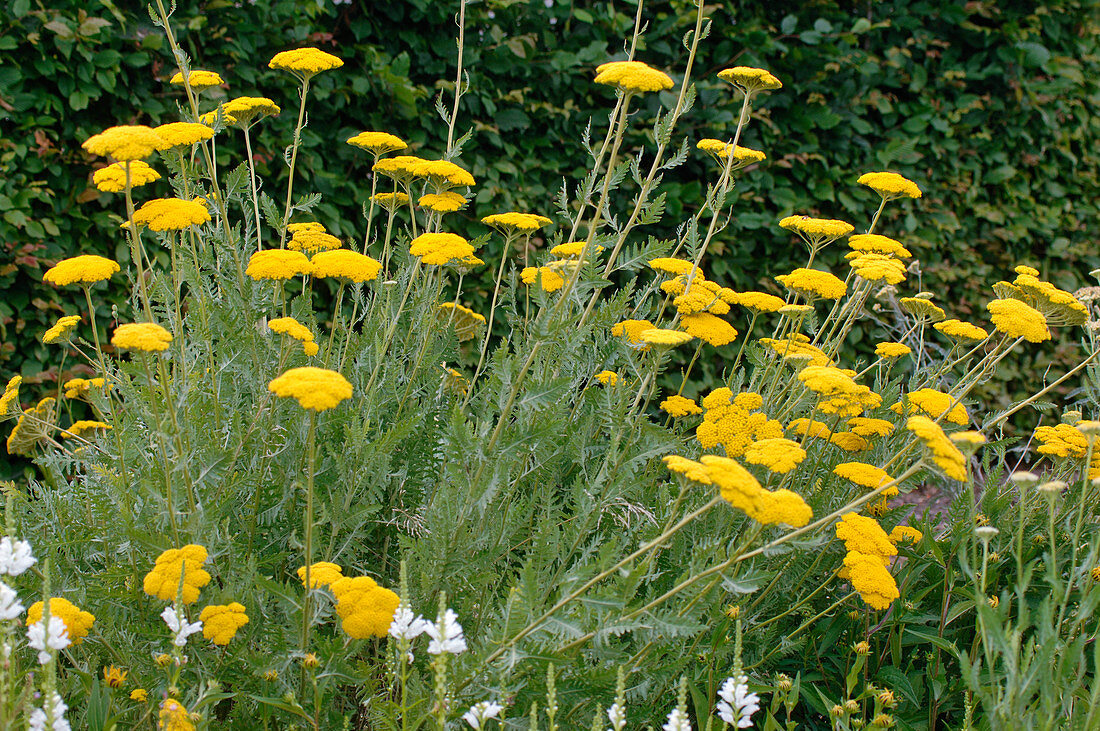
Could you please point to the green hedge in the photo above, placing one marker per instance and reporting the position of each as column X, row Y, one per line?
column 992, row 110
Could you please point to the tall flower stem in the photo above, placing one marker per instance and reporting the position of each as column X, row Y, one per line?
column 252, row 182
column 294, row 160
column 392, row 328
column 458, row 75
column 307, row 527
column 492, row 313
column 335, row 321
column 136, row 247
column 370, row 212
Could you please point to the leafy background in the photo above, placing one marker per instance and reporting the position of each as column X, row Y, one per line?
column 990, row 107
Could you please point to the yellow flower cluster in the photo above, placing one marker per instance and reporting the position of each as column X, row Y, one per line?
column 401, row 168
column 871, row 579
column 1057, row 305
column 878, row 244
column 551, row 281
column 817, row 231
column 758, row 302
column 345, row 264
column 179, row 134
column 220, row 622
column 125, row 142
column 512, row 221
column 841, row 395
column 935, row 404
column 305, row 62
column 878, row 268
column 322, row 573
column 678, row 406
column 944, row 452
column 866, row 475
column 867, row 427
column 61, row 329
column 198, row 79
column 632, row 76
column 298, row 331
column 892, row 350
column 1018, row 320
column 797, row 347
column 464, row 320
column 318, row 389
column 709, row 328
column 864, row 535
column 777, row 455
column 1063, row 441
column 32, row 427
column 311, row 237
column 378, row 143
column 750, row 80
column 438, row 249
column 922, row 308
column 961, row 331
column 172, row 214
column 80, row 426
column 573, row 249
column 721, row 150
column 741, row 490
column 702, row 296
column 112, row 179
column 735, row 422
column 390, row 201
column 905, row 534
column 11, row 395
column 443, row 173
column 607, row 378
column 689, row 468
column 178, row 571
column 245, row 109
column 849, row 442
column 145, row 336
column 85, row 269
column 365, row 608
column 890, row 185
column 671, row 265
column 173, row 716
column 632, row 331
column 813, row 284
column 447, row 202
column 665, row 337
column 277, row 264
column 77, row 621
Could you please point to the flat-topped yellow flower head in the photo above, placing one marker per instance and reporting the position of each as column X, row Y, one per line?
column 220, row 622
column 721, row 151
column 439, row 249
column 244, row 110
column 112, row 179
column 633, row 77
column 663, row 337
column 446, row 202
column 1018, row 320
column 277, row 264
column 145, row 336
column 172, row 214
column 178, row 571
column 198, row 79
column 126, row 142
column 345, row 264
column 813, row 284
column 317, row 389
column 402, row 168
column 513, row 221
column 61, row 330
column 890, row 185
column 443, row 173
column 750, row 80
column 817, row 231
column 180, row 134
column 84, row 269
column 378, row 143
column 305, row 63
column 878, row 244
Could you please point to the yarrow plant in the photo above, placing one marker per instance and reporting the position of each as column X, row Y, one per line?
column 298, row 447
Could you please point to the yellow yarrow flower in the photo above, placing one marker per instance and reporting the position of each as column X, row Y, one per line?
column 32, row 427
column 11, row 396
column 220, row 622
column 759, row 302
column 139, row 694
column 317, row 389
column 632, row 76
column 312, row 240
column 61, row 329
column 181, row 134
column 631, row 331
column 465, row 321
column 607, row 378
column 750, row 80
column 777, row 454
column 365, row 608
column 944, row 453
column 890, row 185
column 878, row 268
column 322, row 573
column 689, row 468
column 447, row 202
column 443, row 173
column 401, row 168
column 305, row 63
column 513, row 221
column 77, row 428
column 198, row 79
column 574, row 249
column 438, row 249
column 125, row 142
column 293, row 328
column 864, row 535
column 961, row 331
column 935, row 404
column 377, row 143
column 817, row 232
column 797, row 347
column 720, row 151
column 709, row 328
column 112, row 179
column 178, row 571
column 735, row 422
column 871, row 579
column 813, row 284
column 892, row 350
column 345, row 264
column 878, row 244
column 868, row 427
column 669, row 338
column 75, row 387
column 77, row 621
column 866, row 475
column 244, row 110
column 172, row 214
column 1061, row 440
column 390, row 201
column 277, row 264
column 144, row 336
column 922, row 308
column 905, row 534
column 679, row 406
column 672, row 265
column 1018, row 320
column 84, row 269
column 740, row 489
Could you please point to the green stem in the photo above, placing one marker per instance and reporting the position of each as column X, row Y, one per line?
column 293, row 161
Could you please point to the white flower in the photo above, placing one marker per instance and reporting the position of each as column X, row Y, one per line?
column 180, row 626
column 446, row 635
column 737, row 704
column 15, row 556
column 406, row 625
column 43, row 640
column 40, row 720
column 481, row 712
column 617, row 715
column 10, row 608
column 677, row 721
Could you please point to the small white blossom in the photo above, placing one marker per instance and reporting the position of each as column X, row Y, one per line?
column 446, row 635
column 481, row 712
column 737, row 704
column 40, row 720
column 617, row 715
column 10, row 608
column 180, row 626
column 56, row 637
column 677, row 721
column 406, row 625
column 15, row 556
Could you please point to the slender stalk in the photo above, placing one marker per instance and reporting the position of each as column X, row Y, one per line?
column 458, row 75
column 307, row 605
column 492, row 314
column 293, row 161
column 252, row 182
